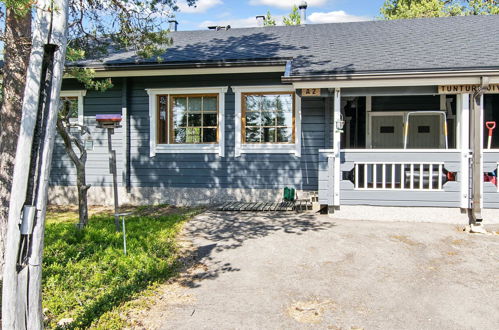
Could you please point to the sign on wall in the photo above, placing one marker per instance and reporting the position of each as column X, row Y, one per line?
column 311, row 92
column 466, row 89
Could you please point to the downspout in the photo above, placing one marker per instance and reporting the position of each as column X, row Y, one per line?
column 475, row 213
column 126, row 134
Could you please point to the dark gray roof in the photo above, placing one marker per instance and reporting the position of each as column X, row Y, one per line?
column 428, row 44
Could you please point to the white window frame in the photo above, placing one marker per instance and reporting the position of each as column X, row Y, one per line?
column 207, row 148
column 267, row 148
column 79, row 94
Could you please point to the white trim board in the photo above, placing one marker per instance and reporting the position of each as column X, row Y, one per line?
column 80, row 93
column 268, row 148
column 385, row 81
column 184, row 72
column 154, row 148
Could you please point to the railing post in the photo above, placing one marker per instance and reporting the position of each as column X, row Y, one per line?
column 337, row 146
column 463, row 115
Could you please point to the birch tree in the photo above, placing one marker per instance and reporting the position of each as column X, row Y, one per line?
column 396, row 9
column 95, row 28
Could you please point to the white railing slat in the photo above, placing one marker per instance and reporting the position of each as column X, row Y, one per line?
column 421, row 176
column 412, row 177
column 356, row 176
column 393, row 176
column 383, row 176
column 430, row 183
column 365, row 176
column 440, row 173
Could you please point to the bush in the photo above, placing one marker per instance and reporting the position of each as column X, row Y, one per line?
column 86, row 276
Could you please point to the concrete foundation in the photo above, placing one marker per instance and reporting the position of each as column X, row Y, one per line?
column 60, row 195
column 410, row 214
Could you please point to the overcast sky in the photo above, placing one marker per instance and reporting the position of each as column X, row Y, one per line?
column 241, row 13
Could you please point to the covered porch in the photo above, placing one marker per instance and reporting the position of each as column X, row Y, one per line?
column 411, row 145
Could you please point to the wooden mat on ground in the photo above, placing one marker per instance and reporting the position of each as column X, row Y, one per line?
column 298, row 205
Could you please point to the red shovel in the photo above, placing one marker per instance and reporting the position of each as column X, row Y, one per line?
column 491, row 125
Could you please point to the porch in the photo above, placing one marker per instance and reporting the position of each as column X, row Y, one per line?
column 408, row 147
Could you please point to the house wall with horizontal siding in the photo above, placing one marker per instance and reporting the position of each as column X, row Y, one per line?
column 202, row 171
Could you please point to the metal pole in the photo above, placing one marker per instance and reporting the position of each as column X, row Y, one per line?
column 124, row 234
column 112, row 169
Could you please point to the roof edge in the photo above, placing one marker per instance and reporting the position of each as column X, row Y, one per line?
column 395, row 75
column 185, row 65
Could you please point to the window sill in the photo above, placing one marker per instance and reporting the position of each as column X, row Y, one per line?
column 268, row 149
column 188, row 149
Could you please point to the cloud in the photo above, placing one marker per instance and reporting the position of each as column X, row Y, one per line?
column 286, row 4
column 201, row 6
column 338, row 16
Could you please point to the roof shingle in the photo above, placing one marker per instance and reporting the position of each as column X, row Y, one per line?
column 428, row 44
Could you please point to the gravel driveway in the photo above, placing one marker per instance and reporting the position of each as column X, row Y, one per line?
column 289, row 271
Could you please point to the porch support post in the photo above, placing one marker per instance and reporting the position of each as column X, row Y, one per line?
column 463, row 143
column 477, row 157
column 337, row 129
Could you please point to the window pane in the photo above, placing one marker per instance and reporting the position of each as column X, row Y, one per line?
column 252, row 118
column 268, row 134
column 253, row 134
column 180, row 104
column 194, row 119
column 210, row 104
column 268, row 118
column 69, row 105
column 284, row 134
column 180, row 119
column 193, row 135
column 284, row 103
column 209, row 135
column 180, row 135
column 253, row 102
column 268, row 102
column 195, row 104
column 209, row 119
column 284, row 119
column 163, row 117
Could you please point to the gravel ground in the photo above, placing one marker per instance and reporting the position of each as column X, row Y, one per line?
column 307, row 271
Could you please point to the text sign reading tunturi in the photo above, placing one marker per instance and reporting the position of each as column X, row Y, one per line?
column 466, row 89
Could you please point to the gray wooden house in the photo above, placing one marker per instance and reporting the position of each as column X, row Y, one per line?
column 374, row 114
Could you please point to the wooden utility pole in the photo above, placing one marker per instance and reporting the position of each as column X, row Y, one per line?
column 21, row 296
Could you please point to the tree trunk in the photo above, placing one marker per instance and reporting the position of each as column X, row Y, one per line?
column 16, row 59
column 70, row 144
column 82, row 195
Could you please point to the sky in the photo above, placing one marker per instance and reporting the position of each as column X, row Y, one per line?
column 241, row 13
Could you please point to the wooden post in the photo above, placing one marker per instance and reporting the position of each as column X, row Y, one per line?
column 463, row 143
column 337, row 145
column 22, row 278
column 477, row 158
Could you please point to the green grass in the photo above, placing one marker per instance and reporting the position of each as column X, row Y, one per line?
column 85, row 274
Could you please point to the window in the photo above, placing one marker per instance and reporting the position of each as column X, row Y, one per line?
column 268, row 120
column 194, row 119
column 187, row 120
column 72, row 101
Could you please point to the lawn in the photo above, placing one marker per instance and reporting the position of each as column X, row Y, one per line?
column 86, row 276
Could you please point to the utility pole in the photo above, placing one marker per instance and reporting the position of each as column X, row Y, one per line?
column 21, row 296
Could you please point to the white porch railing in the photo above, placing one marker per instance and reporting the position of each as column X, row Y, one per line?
column 399, row 175
column 394, row 177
